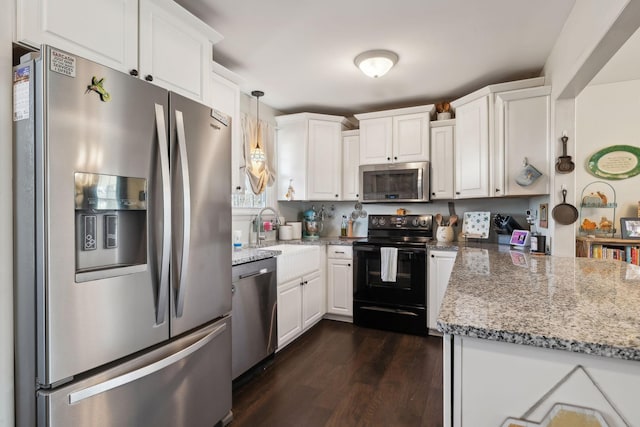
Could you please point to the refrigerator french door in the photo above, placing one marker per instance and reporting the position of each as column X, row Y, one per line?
column 122, row 228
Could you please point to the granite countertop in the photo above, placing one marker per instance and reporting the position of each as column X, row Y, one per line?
column 252, row 254
column 583, row 305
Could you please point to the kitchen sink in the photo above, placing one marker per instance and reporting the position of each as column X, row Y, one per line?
column 295, row 260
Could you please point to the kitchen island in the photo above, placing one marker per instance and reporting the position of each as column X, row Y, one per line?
column 524, row 333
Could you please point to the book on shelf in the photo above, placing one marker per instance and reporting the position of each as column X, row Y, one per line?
column 625, row 253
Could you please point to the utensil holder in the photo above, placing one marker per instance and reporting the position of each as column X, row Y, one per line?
column 445, row 234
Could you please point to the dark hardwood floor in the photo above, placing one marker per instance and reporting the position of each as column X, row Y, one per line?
column 338, row 374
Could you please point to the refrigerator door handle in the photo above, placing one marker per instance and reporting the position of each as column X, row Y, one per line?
column 129, row 377
column 186, row 203
column 163, row 148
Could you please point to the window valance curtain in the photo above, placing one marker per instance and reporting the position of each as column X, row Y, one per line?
column 259, row 149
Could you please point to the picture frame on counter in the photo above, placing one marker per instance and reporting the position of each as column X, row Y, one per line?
column 630, row 228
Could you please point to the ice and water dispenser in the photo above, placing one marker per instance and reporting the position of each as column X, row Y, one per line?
column 110, row 225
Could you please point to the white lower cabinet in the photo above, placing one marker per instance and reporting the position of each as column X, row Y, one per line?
column 340, row 283
column 300, row 306
column 439, row 270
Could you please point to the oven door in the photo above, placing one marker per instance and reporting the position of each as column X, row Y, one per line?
column 408, row 289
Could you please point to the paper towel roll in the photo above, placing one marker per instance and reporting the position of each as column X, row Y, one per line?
column 285, row 232
column 297, row 229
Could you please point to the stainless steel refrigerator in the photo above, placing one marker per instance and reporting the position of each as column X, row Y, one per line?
column 123, row 263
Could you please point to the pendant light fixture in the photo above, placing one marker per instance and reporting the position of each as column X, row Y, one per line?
column 258, row 157
column 376, row 63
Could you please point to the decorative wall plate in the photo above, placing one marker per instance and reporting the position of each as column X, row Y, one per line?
column 615, row 162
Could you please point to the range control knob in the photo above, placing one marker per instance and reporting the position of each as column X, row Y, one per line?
column 423, row 222
column 382, row 221
column 374, row 221
column 415, row 222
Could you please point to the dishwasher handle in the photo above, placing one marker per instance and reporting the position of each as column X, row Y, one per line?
column 255, row 273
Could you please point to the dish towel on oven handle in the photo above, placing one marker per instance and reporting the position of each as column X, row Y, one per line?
column 388, row 264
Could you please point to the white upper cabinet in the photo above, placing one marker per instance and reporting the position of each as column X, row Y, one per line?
column 157, row 40
column 523, row 128
column 350, row 163
column 411, row 137
column 442, row 161
column 479, row 155
column 400, row 135
column 224, row 96
column 310, row 156
column 102, row 31
column 175, row 49
column 472, row 149
column 376, row 137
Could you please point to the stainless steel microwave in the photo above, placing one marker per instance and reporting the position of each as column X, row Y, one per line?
column 394, row 182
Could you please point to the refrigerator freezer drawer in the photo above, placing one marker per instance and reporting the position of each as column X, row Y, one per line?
column 187, row 382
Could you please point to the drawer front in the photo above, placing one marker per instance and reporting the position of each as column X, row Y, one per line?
column 339, row 251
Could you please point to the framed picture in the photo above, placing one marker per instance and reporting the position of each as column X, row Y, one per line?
column 544, row 215
column 630, row 228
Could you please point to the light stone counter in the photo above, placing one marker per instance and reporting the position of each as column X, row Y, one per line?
column 577, row 304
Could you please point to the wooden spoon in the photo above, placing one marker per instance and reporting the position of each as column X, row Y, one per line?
column 438, row 219
column 453, row 220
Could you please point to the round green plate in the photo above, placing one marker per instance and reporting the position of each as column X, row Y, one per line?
column 615, row 162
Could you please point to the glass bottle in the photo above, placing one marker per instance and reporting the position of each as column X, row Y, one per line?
column 343, row 227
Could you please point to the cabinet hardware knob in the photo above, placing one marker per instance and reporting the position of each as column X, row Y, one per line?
column 357, row 195
column 388, row 158
column 457, row 192
column 433, row 194
column 348, row 265
column 395, row 158
column 336, row 195
column 497, row 190
column 148, row 78
column 134, row 72
column 433, row 256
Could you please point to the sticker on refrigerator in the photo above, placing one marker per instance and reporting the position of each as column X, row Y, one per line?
column 62, row 63
column 220, row 116
column 21, row 81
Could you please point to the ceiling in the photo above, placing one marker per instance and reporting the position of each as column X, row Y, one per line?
column 301, row 52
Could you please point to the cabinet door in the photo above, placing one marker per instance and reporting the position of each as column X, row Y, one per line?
column 292, row 152
column 523, row 133
column 289, row 311
column 411, row 138
column 440, row 266
column 350, row 164
column 102, row 31
column 312, row 299
column 376, row 136
column 324, row 160
column 472, row 149
column 174, row 53
column 442, row 164
column 340, row 287
column 225, row 97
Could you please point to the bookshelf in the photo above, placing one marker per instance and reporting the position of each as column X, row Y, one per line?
column 609, row 248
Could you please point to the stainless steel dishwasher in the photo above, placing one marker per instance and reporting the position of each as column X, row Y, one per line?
column 254, row 333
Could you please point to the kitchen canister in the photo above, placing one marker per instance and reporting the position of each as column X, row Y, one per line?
column 285, row 232
column 297, row 230
column 444, row 234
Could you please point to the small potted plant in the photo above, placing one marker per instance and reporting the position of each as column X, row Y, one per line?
column 444, row 111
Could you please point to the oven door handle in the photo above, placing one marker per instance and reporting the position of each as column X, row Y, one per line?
column 369, row 248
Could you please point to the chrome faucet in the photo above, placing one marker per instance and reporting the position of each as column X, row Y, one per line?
column 258, row 221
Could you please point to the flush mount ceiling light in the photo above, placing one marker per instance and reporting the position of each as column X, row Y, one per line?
column 376, row 63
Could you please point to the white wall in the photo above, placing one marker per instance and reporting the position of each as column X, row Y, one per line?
column 606, row 115
column 6, row 219
column 592, row 34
